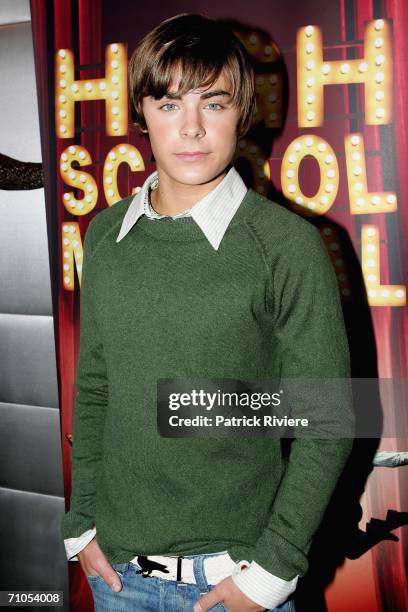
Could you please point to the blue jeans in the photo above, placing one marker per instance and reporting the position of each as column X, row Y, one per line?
column 155, row 594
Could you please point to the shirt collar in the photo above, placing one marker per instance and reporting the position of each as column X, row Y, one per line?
column 213, row 213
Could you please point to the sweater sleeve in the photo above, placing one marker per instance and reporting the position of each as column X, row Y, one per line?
column 90, row 406
column 312, row 342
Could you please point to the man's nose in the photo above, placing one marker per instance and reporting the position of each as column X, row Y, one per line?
column 192, row 125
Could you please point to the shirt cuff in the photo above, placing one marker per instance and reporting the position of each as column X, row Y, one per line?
column 74, row 545
column 264, row 588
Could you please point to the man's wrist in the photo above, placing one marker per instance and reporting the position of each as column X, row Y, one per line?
column 261, row 586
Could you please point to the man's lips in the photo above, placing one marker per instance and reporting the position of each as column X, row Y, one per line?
column 191, row 155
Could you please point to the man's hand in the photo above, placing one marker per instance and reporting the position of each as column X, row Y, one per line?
column 94, row 563
column 230, row 596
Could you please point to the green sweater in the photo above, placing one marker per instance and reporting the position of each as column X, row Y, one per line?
column 163, row 303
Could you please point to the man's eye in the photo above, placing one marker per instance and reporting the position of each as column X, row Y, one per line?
column 169, row 104
column 212, row 106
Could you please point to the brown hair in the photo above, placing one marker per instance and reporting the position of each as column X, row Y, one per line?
column 199, row 49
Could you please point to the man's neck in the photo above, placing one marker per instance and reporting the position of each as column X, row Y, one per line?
column 171, row 198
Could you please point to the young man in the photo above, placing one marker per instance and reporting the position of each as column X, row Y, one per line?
column 197, row 276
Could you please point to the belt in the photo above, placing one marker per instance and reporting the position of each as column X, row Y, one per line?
column 181, row 569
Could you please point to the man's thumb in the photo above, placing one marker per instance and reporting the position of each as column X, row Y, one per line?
column 113, row 580
column 207, row 601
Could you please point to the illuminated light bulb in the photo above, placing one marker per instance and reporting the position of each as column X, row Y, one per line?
column 102, row 85
column 326, row 68
column 63, row 129
column 137, row 162
column 309, row 47
column 115, row 94
column 378, row 42
column 399, row 293
column 324, row 199
column 63, row 113
column 290, row 173
column 360, row 201
column 112, row 155
column 330, row 174
column 72, row 175
column 75, row 243
column 355, row 140
column 379, row 95
column 115, row 79
column 375, row 200
column 66, row 196
column 63, row 83
column 66, row 279
column 362, row 67
column 109, row 180
column 64, row 167
column 379, row 77
column 62, row 53
column 329, row 187
column 309, row 31
column 66, row 266
column 82, row 178
column 75, row 87
column 310, row 65
column 391, row 199
column 358, row 186
column 88, row 86
column 132, row 155
column 345, row 68
column 63, row 68
column 79, row 267
column 321, row 147
column 114, row 48
column 77, row 254
column 109, row 166
column 379, row 24
column 329, row 159
column 310, row 115
column 62, row 99
column 115, row 64
column 372, row 278
column 379, row 59
column 115, row 110
column 371, row 263
column 372, row 292
column 299, row 200
column 268, row 50
column 80, row 205
column 88, row 199
column 72, row 203
column 292, row 159
column 122, row 150
column 357, row 170
column 72, row 149
column 66, row 254
column 297, row 146
column 370, row 232
column 309, row 142
column 310, row 82
column 385, row 292
column 81, row 155
column 65, row 228
column 370, row 248
column 310, row 98
column 292, row 188
column 311, row 205
column 64, row 156
column 356, row 156
column 379, row 112
column 89, row 188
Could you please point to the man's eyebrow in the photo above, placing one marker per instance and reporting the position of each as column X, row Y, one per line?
column 204, row 96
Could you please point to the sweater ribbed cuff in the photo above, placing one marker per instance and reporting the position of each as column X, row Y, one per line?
column 261, row 586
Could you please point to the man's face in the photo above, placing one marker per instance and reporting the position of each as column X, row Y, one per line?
column 193, row 138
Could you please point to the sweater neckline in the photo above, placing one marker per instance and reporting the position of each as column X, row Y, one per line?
column 186, row 228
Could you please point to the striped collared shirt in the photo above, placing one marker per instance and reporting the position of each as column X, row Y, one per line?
column 213, row 213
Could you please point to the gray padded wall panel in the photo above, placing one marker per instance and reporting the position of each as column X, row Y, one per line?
column 30, row 449
column 31, row 523
column 24, row 266
column 27, row 360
